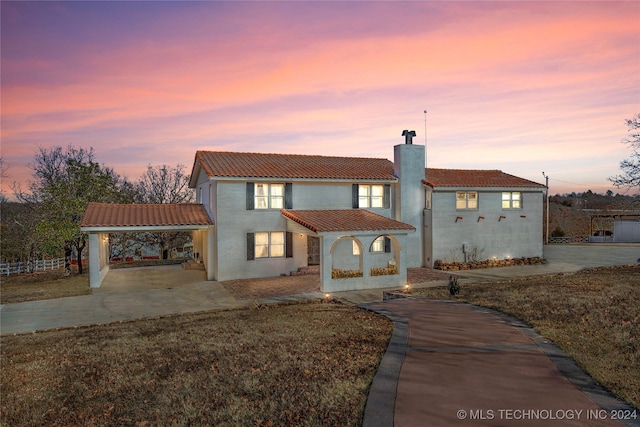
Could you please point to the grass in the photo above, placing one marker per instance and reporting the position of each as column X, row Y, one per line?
column 303, row 364
column 593, row 315
column 42, row 285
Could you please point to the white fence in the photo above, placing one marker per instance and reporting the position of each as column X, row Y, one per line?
column 31, row 266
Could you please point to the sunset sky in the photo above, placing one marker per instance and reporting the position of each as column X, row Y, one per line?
column 524, row 87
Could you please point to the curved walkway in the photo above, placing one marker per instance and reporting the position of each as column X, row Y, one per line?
column 452, row 363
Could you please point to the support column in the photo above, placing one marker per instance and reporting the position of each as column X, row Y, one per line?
column 210, row 254
column 98, row 261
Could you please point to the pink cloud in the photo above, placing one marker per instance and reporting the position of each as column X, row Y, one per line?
column 506, row 84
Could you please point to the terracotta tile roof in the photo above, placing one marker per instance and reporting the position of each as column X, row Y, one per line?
column 131, row 215
column 344, row 220
column 474, row 178
column 291, row 166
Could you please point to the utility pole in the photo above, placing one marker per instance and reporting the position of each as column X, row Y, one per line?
column 546, row 235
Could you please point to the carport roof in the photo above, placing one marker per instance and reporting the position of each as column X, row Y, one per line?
column 344, row 220
column 108, row 216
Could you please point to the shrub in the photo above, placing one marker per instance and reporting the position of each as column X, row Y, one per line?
column 338, row 273
column 384, row 271
column 453, row 286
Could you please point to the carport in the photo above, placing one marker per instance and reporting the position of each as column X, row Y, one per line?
column 100, row 219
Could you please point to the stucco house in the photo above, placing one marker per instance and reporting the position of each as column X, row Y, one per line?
column 362, row 221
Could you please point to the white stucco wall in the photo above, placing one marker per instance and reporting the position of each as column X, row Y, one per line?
column 518, row 234
column 343, row 256
column 329, row 242
column 234, row 221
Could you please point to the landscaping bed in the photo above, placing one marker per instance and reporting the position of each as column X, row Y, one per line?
column 489, row 263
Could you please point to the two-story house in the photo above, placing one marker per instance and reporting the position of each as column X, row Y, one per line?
column 362, row 221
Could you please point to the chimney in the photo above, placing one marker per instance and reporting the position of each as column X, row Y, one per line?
column 409, row 167
column 408, row 136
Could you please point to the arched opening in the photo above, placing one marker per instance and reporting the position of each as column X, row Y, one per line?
column 346, row 258
column 384, row 254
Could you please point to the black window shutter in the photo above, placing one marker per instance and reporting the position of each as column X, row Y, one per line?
column 251, row 247
column 288, row 246
column 288, row 196
column 387, row 245
column 387, row 196
column 354, row 196
column 250, row 198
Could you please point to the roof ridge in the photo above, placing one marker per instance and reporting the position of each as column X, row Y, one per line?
column 470, row 170
column 291, row 155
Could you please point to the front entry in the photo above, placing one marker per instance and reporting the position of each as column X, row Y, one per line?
column 313, row 250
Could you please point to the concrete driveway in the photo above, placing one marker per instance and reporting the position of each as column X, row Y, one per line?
column 140, row 278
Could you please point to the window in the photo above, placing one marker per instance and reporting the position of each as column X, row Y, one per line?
column 356, row 248
column 371, row 196
column 511, row 200
column 466, row 200
column 269, row 196
column 427, row 200
column 378, row 245
column 277, row 196
column 269, row 245
column 381, row 244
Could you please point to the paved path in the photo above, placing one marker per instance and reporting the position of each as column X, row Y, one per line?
column 456, row 364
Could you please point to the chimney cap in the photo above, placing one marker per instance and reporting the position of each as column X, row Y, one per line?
column 408, row 136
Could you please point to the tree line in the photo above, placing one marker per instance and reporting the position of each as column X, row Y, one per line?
column 45, row 220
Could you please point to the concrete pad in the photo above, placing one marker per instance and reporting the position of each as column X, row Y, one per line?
column 141, row 278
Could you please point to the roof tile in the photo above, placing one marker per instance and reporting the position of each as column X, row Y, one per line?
column 124, row 215
column 474, row 178
column 291, row 166
column 344, row 220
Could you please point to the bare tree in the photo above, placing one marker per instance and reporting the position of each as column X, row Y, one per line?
column 630, row 176
column 163, row 184
column 3, row 176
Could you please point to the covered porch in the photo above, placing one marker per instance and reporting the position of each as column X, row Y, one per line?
column 100, row 219
column 358, row 249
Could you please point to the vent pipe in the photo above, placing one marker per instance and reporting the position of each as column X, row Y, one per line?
column 408, row 136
